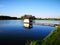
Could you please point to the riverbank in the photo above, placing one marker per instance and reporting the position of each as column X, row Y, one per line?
column 52, row 39
column 2, row 17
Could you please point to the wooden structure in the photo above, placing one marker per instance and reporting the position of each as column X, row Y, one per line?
column 27, row 22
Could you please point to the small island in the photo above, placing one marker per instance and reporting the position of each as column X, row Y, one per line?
column 2, row 17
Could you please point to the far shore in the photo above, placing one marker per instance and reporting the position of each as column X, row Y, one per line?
column 22, row 17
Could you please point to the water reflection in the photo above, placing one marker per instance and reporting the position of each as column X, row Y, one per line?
column 14, row 30
column 28, row 26
column 4, row 22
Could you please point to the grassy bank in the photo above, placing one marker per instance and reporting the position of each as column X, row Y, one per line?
column 34, row 42
column 52, row 39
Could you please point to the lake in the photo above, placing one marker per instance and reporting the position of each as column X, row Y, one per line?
column 13, row 30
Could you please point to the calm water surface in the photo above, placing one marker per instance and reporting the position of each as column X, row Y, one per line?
column 13, row 29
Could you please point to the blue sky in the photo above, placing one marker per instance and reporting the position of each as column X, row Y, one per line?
column 38, row 8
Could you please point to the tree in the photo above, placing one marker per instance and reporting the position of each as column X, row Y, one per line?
column 28, row 17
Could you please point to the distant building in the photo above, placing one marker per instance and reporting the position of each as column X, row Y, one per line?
column 28, row 22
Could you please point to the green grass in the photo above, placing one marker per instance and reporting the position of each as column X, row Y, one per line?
column 52, row 39
column 34, row 42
